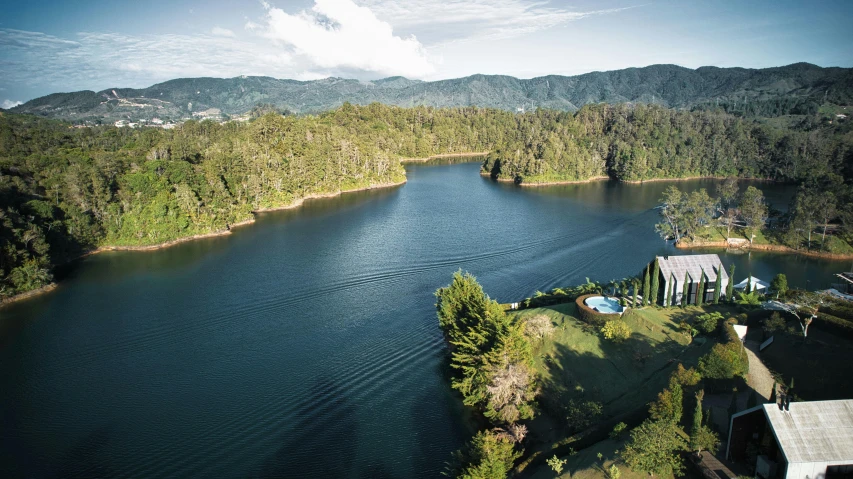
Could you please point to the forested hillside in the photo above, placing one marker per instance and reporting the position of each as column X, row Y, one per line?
column 65, row 191
column 638, row 142
column 797, row 89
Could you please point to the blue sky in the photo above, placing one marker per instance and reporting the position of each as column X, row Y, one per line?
column 58, row 46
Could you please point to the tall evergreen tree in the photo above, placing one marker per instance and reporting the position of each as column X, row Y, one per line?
column 697, row 413
column 718, row 285
column 668, row 297
column 685, row 290
column 646, row 287
column 700, row 292
column 748, row 285
column 636, row 283
column 673, row 294
column 653, row 297
column 730, row 285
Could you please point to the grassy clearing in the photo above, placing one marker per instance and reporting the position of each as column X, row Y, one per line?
column 586, row 465
column 576, row 363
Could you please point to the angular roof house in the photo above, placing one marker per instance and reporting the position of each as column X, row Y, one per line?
column 797, row 440
column 674, row 269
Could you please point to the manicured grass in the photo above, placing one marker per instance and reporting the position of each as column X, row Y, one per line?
column 576, row 362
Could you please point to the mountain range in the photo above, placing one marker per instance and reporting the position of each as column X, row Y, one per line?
column 799, row 88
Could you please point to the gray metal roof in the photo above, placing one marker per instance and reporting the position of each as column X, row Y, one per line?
column 814, row 431
column 693, row 265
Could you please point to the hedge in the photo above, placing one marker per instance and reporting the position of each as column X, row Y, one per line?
column 591, row 316
column 832, row 324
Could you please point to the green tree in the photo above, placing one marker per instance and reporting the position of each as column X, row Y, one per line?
column 753, row 211
column 614, row 472
column 489, row 456
column 667, row 299
column 646, row 287
column 700, row 292
column 685, row 291
column 654, row 448
column 556, row 464
column 730, row 284
column 636, row 284
column 779, row 284
column 718, row 285
column 653, row 294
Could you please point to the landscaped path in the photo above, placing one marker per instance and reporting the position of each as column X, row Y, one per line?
column 759, row 377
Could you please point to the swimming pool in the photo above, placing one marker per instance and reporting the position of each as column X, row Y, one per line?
column 604, row 305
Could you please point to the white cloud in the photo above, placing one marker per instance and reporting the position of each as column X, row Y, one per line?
column 9, row 104
column 222, row 32
column 477, row 19
column 338, row 34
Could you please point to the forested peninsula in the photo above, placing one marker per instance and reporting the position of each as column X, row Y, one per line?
column 67, row 191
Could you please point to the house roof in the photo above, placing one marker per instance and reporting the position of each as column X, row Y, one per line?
column 756, row 284
column 693, row 265
column 814, row 431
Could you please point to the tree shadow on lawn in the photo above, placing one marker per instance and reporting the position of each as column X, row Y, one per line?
column 626, row 376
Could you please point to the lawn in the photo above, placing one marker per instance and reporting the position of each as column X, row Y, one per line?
column 577, row 363
column 585, row 464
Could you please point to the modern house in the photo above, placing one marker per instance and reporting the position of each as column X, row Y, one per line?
column 694, row 267
column 794, row 440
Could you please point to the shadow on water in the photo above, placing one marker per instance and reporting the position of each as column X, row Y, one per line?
column 305, row 451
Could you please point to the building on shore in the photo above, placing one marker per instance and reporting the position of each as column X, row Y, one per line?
column 794, row 440
column 693, row 268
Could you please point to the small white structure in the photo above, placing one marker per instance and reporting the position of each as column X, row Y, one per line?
column 756, row 285
column 796, row 440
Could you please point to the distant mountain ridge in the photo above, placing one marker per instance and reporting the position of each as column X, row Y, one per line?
column 798, row 88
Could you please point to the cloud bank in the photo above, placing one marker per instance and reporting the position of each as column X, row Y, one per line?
column 9, row 104
column 338, row 34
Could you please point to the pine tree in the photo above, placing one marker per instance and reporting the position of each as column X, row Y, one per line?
column 668, row 297
column 646, row 287
column 718, row 285
column 672, row 291
column 748, row 285
column 685, row 300
column 636, row 283
column 653, row 298
column 773, row 392
column 729, row 293
column 700, row 293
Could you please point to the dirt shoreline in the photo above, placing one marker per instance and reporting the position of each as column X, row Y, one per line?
column 774, row 248
column 223, row 232
column 444, row 155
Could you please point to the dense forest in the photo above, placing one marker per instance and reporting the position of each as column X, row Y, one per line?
column 640, row 142
column 65, row 191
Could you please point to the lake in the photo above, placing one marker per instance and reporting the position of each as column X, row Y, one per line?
column 306, row 345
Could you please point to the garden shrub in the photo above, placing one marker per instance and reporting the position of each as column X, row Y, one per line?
column 726, row 359
column 616, row 331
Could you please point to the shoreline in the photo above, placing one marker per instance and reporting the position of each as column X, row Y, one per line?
column 443, row 155
column 547, row 183
column 772, row 248
column 222, row 232
column 688, row 178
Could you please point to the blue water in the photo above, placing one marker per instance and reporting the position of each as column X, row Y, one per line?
column 603, row 305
